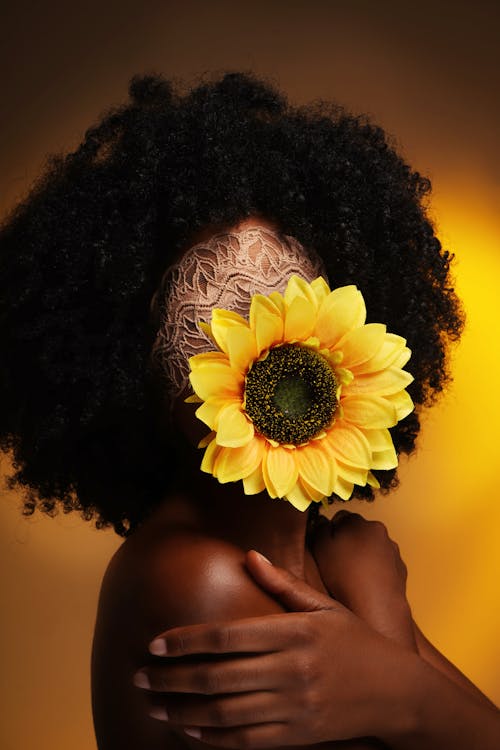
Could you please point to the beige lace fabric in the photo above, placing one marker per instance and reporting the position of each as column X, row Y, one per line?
column 223, row 272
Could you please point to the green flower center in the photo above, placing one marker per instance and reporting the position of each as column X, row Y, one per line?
column 290, row 396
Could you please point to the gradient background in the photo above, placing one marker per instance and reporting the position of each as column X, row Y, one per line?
column 429, row 73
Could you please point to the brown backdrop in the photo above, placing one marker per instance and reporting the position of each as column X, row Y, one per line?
column 429, row 73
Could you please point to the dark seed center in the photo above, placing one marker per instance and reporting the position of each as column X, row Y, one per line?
column 290, row 396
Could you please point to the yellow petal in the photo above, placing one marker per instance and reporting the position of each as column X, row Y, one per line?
column 341, row 311
column 222, row 322
column 234, row 429
column 209, row 410
column 313, row 493
column 208, row 461
column 299, row 320
column 266, row 321
column 385, row 459
column 241, row 348
column 193, row 399
column 278, row 300
column 279, row 468
column 352, row 474
column 233, row 464
column 372, row 412
column 360, row 344
column 381, row 383
column 387, row 356
column 402, row 403
column 372, row 480
column 299, row 498
column 298, row 287
column 343, row 488
column 216, row 380
column 316, row 467
column 379, row 440
column 321, row 289
column 207, row 358
column 349, row 445
column 403, row 357
column 206, row 440
column 254, row 483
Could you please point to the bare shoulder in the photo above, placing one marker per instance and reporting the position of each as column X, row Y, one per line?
column 159, row 579
column 202, row 579
column 181, row 576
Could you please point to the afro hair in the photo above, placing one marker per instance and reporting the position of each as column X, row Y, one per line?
column 82, row 255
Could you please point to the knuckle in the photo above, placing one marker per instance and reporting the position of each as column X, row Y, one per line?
column 160, row 682
column 307, row 631
column 313, row 707
column 208, row 681
column 221, row 639
column 243, row 738
column 306, row 673
column 178, row 644
column 174, row 712
column 218, row 714
column 238, row 738
column 315, row 716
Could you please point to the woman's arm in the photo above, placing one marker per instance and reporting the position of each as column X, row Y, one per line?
column 329, row 674
column 437, row 660
column 207, row 581
column 362, row 567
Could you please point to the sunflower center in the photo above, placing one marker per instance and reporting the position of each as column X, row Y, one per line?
column 290, row 396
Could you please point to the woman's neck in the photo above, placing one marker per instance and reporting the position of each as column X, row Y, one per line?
column 273, row 527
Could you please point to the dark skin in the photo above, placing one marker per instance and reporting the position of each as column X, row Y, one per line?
column 312, row 649
column 280, row 692
column 462, row 717
column 181, row 567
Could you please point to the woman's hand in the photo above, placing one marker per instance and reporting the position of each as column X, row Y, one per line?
column 317, row 673
column 361, row 567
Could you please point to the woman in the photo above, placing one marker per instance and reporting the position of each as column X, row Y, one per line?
column 85, row 405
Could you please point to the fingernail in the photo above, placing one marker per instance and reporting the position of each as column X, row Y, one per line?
column 141, row 680
column 263, row 557
column 158, row 647
column 160, row 713
column 193, row 732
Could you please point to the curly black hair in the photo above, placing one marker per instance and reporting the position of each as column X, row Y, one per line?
column 82, row 255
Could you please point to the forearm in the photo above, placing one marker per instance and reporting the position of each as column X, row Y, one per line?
column 437, row 714
column 436, row 659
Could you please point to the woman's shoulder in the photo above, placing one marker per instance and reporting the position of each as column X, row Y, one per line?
column 162, row 577
column 177, row 575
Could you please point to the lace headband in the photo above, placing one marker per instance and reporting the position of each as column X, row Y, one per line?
column 222, row 272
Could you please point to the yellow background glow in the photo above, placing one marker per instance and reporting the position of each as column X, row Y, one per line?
column 428, row 76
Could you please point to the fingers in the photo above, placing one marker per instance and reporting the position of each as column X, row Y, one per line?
column 255, row 736
column 346, row 515
column 249, row 635
column 217, row 678
column 222, row 712
column 346, row 525
column 294, row 593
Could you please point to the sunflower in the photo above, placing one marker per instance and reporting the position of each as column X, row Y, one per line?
column 300, row 397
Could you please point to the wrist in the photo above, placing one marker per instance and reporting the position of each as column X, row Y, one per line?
column 391, row 617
